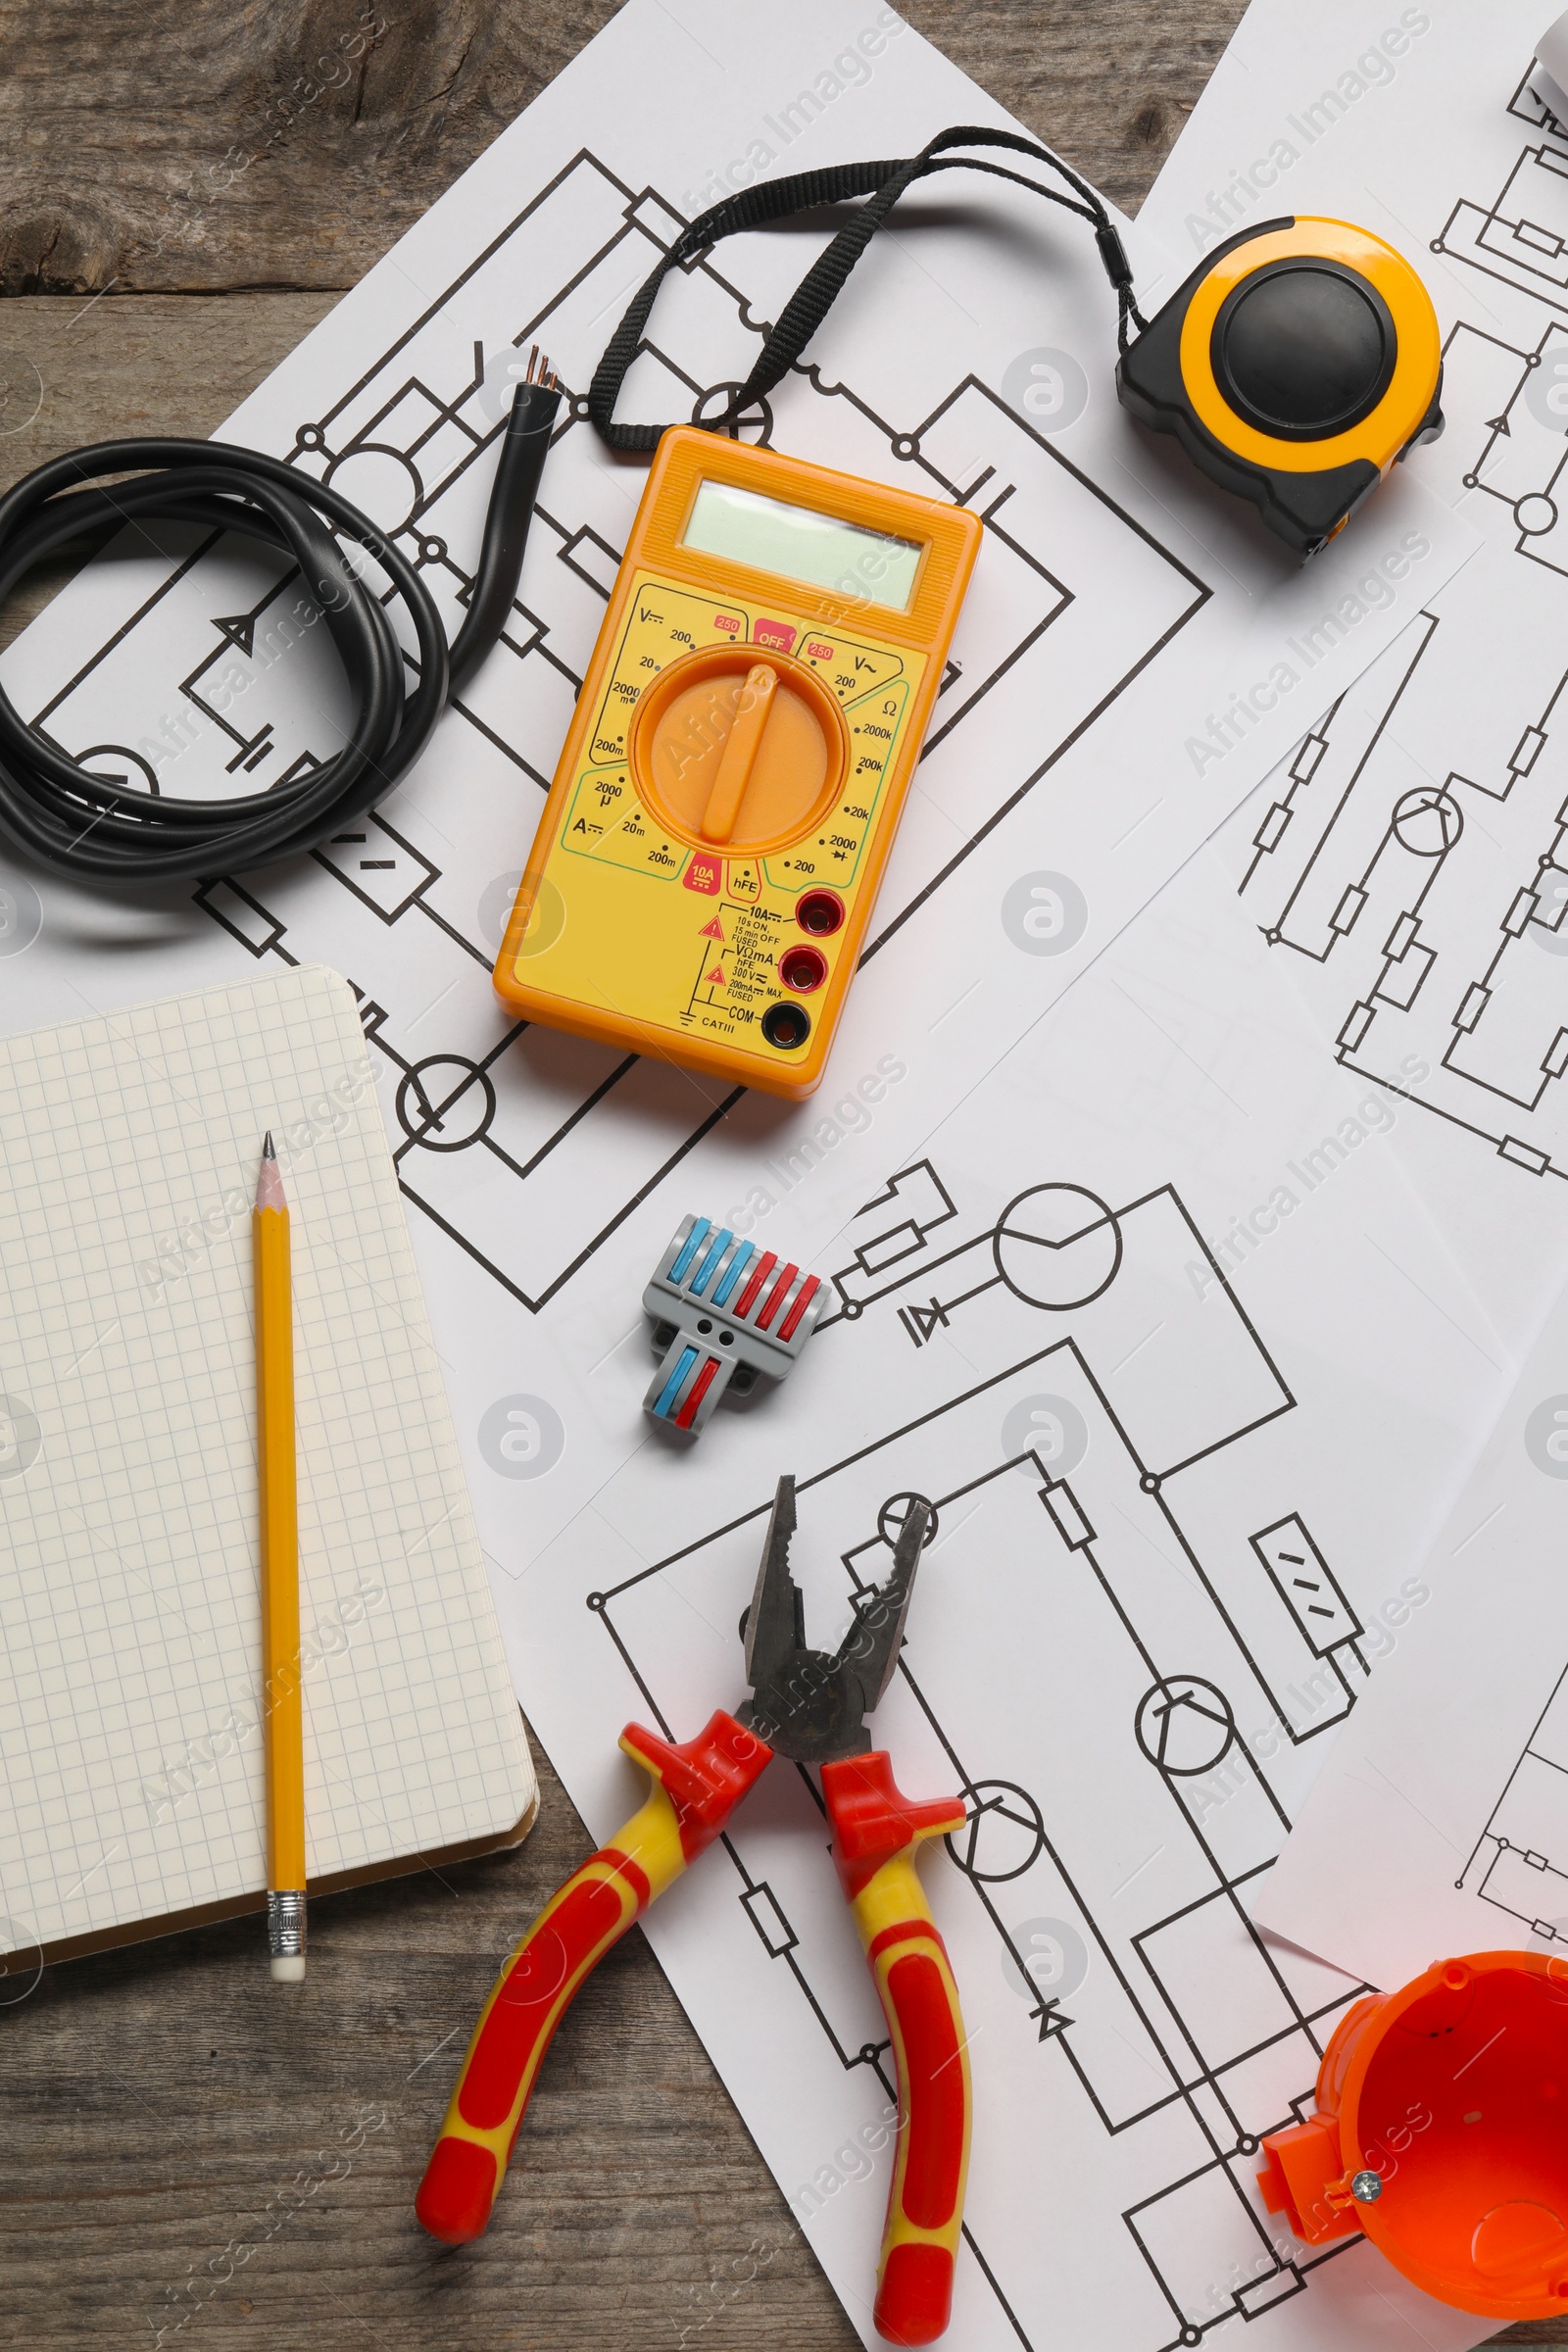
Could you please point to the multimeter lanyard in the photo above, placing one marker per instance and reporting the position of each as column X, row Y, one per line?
column 774, row 200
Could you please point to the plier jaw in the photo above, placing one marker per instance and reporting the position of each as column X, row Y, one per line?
column 807, row 1705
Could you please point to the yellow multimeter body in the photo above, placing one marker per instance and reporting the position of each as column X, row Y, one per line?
column 709, row 856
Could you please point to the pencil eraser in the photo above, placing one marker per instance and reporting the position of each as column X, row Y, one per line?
column 289, row 1971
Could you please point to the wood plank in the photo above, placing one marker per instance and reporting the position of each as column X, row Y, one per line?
column 74, row 371
column 195, row 2156
column 192, row 2157
column 153, row 147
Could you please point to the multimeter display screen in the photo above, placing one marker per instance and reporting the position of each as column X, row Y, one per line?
column 802, row 544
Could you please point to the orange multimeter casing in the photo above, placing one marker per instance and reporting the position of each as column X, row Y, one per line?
column 709, row 854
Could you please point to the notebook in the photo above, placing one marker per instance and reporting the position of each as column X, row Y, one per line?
column 130, row 1736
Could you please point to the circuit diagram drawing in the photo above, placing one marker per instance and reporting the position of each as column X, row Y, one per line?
column 1157, row 1641
column 219, row 679
column 1521, row 237
column 1520, row 1860
column 1413, row 862
column 1436, row 905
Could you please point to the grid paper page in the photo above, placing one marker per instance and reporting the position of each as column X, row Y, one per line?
column 130, row 1731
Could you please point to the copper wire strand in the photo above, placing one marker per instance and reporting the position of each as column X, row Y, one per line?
column 540, row 372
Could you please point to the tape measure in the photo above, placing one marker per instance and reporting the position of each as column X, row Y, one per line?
column 1298, row 363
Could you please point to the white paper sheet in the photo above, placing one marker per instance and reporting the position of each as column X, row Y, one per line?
column 1144, row 1444
column 1410, row 863
column 1118, row 601
column 1439, row 1823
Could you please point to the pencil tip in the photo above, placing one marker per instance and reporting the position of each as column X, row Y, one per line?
column 269, row 1191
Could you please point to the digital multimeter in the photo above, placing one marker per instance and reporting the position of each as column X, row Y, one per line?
column 709, row 856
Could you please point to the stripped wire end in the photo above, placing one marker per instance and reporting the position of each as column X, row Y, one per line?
column 524, row 444
column 540, row 370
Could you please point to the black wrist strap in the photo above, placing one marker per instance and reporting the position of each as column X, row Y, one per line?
column 882, row 183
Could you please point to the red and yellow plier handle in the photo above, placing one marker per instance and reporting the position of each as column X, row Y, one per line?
column 695, row 1790
column 875, row 1832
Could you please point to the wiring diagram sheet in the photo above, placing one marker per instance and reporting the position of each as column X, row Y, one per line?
column 1408, row 863
column 1118, row 602
column 1123, row 1298
column 1127, row 1321
column 1460, row 1844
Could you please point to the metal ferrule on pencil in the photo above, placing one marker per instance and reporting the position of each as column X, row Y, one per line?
column 285, row 1926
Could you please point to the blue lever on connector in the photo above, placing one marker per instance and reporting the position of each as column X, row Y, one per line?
column 676, row 1381
column 732, row 1272
column 694, row 1242
column 698, row 1280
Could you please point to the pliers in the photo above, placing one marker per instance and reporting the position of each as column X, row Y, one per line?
column 810, row 1708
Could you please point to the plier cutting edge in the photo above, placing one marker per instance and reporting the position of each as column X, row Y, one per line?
column 810, row 1708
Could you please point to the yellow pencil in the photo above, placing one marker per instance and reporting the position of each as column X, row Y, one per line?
column 284, row 1734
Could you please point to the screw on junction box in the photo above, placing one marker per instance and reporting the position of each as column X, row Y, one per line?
column 726, row 1317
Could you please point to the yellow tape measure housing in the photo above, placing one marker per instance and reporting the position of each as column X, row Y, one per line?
column 708, row 860
column 1298, row 363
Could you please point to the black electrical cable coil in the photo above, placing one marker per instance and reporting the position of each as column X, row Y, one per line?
column 103, row 829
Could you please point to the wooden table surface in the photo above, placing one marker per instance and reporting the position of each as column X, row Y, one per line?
column 185, row 2157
